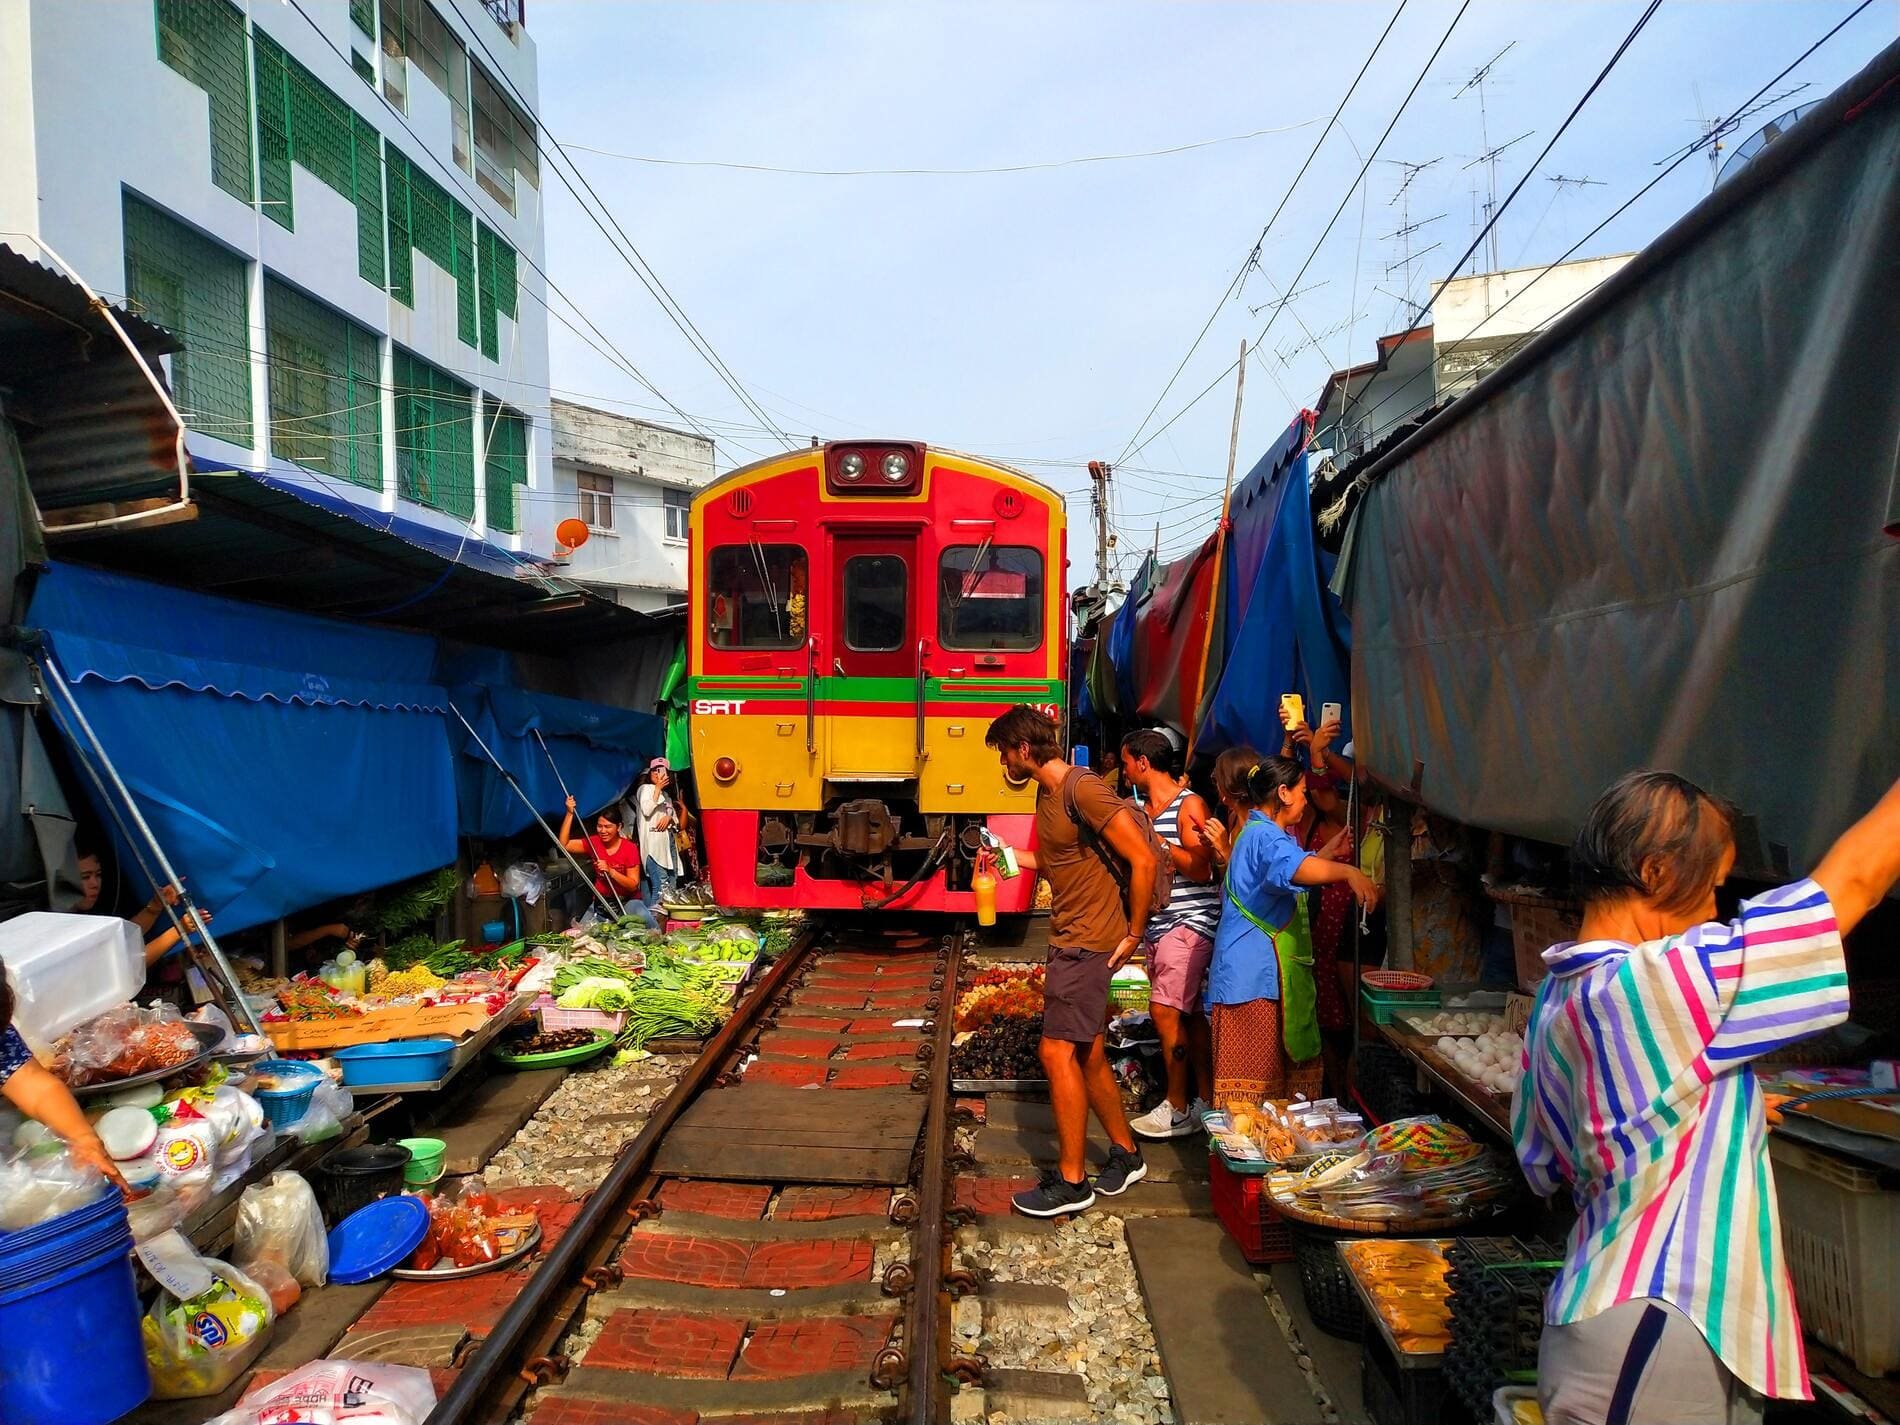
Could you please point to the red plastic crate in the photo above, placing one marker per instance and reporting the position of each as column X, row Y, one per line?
column 1246, row 1211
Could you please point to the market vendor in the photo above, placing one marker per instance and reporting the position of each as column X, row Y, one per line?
column 616, row 859
column 1674, row 1301
column 1260, row 985
column 33, row 1089
column 92, row 884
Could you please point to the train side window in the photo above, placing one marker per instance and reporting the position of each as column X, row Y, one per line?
column 876, row 597
column 756, row 595
column 990, row 597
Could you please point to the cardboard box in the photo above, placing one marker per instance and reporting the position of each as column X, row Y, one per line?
column 378, row 1026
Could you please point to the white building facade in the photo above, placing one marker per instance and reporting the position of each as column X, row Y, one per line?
column 1476, row 323
column 632, row 484
column 335, row 204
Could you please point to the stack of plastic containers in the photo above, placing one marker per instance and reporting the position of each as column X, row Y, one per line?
column 69, row 1315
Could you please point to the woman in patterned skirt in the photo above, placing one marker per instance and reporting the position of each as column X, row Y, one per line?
column 1260, row 987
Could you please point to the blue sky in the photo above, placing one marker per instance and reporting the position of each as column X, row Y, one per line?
column 1035, row 316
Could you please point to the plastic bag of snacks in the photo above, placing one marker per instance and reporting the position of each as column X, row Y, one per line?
column 200, row 1346
column 339, row 1393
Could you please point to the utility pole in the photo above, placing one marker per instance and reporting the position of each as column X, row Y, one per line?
column 1100, row 473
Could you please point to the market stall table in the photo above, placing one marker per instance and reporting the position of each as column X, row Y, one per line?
column 1490, row 1109
column 466, row 1050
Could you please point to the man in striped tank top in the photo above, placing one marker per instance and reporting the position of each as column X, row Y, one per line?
column 1180, row 938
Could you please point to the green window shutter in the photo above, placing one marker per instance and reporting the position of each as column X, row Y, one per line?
column 497, row 286
column 365, row 70
column 438, row 227
column 435, row 437
column 204, row 41
column 325, row 388
column 273, row 130
column 506, row 465
column 366, row 184
column 402, row 280
column 363, row 16
column 187, row 283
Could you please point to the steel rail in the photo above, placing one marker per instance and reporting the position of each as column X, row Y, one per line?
column 926, row 1330
column 558, row 1289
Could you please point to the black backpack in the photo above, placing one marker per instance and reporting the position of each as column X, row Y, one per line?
column 1164, row 863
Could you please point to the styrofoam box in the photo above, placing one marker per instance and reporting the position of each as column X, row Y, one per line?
column 67, row 968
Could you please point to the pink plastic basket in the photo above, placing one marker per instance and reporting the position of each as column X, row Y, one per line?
column 553, row 1017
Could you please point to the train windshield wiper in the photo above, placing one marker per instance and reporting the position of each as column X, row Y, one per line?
column 771, row 593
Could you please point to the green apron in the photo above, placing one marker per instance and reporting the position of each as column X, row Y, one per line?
column 1299, row 992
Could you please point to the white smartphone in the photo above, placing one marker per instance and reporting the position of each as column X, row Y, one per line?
column 1328, row 712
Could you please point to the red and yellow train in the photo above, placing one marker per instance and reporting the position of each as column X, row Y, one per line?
column 857, row 614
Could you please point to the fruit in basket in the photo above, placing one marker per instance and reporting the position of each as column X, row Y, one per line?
column 551, row 1041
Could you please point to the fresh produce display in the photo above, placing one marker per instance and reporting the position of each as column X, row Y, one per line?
column 412, row 902
column 1001, row 1049
column 549, row 1042
column 1011, row 992
column 1407, row 1286
column 1454, row 1022
column 663, row 995
column 1493, row 1061
column 417, row 979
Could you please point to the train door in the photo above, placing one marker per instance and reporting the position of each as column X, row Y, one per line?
column 874, row 658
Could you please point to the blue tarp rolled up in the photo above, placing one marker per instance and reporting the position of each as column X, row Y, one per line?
column 597, row 748
column 281, row 760
column 1282, row 630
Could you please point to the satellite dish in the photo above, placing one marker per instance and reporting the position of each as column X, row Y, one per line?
column 1759, row 140
column 571, row 534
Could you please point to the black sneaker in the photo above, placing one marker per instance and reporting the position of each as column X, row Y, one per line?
column 1122, row 1168
column 1053, row 1196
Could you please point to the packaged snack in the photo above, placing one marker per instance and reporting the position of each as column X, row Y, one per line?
column 200, row 1346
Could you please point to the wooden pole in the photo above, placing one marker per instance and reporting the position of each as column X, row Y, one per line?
column 1220, row 554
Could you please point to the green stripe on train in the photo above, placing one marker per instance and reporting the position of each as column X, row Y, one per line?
column 880, row 690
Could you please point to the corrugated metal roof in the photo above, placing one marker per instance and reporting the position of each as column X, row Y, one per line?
column 91, row 428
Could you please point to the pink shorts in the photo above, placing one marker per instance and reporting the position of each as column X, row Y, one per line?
column 1177, row 968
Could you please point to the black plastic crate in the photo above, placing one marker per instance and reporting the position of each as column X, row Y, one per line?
column 1387, row 1082
column 1331, row 1299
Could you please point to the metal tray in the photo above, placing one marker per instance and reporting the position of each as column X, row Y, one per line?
column 1000, row 1085
column 448, row 1274
column 206, row 1035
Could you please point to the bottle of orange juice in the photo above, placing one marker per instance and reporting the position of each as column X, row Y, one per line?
column 983, row 884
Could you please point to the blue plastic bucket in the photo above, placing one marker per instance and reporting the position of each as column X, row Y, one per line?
column 60, row 1256
column 73, row 1353
column 107, row 1205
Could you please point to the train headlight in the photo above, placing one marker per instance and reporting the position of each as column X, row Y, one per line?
column 896, row 466
column 725, row 769
column 851, row 467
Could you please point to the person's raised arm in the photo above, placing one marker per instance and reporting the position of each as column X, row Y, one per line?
column 159, row 946
column 567, row 825
column 1317, row 871
column 1863, row 865
column 1194, row 857
column 1124, row 838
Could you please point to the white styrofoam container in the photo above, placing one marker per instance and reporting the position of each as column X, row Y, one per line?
column 65, row 969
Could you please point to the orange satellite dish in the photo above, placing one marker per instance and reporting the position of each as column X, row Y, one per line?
column 571, row 533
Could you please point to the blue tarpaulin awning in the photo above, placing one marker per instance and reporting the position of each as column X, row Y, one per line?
column 281, row 760
column 597, row 749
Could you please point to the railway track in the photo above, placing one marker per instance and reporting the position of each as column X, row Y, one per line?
column 776, row 1239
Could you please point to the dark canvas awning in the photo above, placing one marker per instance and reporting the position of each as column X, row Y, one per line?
column 1655, row 537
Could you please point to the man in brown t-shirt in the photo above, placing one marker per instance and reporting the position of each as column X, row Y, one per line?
column 1091, row 935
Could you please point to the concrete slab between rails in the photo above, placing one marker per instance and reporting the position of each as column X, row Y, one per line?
column 840, row 1390
column 479, row 1125
column 1336, row 1362
column 852, row 1299
column 1022, row 1304
column 1167, row 1161
column 431, row 1347
column 770, row 1229
column 1225, row 1357
column 1037, row 1395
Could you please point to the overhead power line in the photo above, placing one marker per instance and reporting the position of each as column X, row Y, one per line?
column 1253, row 254
column 1035, row 167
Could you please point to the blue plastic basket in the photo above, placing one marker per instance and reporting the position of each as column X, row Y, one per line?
column 401, row 1061
column 285, row 1106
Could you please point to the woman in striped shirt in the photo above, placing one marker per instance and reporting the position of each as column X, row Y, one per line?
column 1674, row 1301
column 1180, row 938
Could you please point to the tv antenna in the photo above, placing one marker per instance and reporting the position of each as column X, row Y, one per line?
column 1564, row 180
column 1489, row 158
column 1479, row 80
column 1716, row 129
column 1279, row 302
column 1402, row 199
